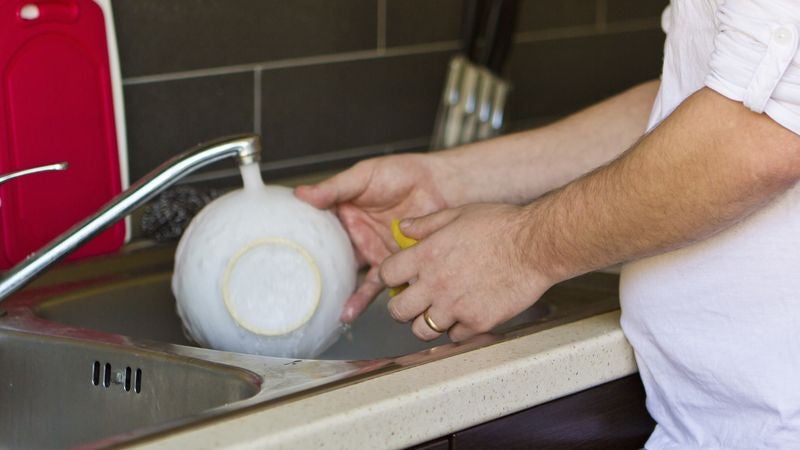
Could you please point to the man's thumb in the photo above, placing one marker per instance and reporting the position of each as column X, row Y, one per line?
column 421, row 227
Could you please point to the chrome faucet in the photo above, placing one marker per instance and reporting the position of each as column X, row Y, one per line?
column 245, row 148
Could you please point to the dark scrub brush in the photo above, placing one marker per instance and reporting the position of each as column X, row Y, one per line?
column 166, row 218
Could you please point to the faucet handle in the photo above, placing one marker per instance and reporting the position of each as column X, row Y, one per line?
column 20, row 173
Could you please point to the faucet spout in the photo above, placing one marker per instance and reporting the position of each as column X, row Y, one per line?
column 245, row 148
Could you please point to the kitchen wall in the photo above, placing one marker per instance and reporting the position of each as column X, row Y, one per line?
column 328, row 82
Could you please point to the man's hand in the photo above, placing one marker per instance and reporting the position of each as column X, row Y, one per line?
column 468, row 271
column 367, row 197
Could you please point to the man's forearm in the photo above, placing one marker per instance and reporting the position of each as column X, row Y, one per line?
column 520, row 167
column 711, row 163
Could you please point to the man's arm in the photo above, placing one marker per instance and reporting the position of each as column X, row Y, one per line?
column 522, row 166
column 707, row 166
column 710, row 164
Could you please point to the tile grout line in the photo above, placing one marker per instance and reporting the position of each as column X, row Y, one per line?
column 601, row 17
column 381, row 26
column 296, row 62
column 586, row 31
column 524, row 37
column 257, row 101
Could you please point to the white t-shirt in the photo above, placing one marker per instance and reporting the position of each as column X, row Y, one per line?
column 716, row 326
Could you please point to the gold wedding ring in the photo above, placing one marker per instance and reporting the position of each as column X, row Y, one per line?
column 431, row 323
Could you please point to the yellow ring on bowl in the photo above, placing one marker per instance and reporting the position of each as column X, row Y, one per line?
column 226, row 296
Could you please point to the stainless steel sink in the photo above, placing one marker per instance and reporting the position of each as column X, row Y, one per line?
column 145, row 308
column 93, row 354
column 57, row 392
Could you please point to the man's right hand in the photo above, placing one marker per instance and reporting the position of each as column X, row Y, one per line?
column 368, row 196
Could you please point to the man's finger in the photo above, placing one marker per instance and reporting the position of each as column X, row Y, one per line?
column 421, row 227
column 408, row 304
column 439, row 317
column 461, row 332
column 370, row 287
column 399, row 268
column 339, row 188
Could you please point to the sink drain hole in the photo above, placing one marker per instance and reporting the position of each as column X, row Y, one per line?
column 137, row 385
column 107, row 376
column 127, row 379
column 96, row 373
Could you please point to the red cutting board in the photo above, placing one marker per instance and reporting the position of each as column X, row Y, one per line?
column 56, row 104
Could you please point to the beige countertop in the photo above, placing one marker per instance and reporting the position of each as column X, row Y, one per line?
column 424, row 402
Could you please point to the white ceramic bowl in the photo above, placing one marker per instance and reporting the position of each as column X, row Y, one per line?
column 260, row 271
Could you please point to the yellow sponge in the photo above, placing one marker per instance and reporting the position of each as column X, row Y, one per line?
column 403, row 242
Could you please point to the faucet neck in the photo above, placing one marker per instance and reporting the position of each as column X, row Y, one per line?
column 245, row 148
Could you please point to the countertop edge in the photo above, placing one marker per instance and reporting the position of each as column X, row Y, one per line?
column 415, row 405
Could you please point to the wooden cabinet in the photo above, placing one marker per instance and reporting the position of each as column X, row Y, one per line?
column 609, row 416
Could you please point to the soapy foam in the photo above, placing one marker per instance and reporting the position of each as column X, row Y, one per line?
column 248, row 293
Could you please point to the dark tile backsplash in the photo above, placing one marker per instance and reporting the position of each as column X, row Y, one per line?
column 157, row 36
column 410, row 22
column 329, row 81
column 311, row 109
column 168, row 117
column 634, row 9
column 541, row 91
column 546, row 14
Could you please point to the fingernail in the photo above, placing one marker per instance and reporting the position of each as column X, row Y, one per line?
column 347, row 315
column 405, row 223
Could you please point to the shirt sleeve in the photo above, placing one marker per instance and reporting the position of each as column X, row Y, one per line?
column 755, row 58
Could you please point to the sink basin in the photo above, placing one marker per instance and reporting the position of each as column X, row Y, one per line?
column 95, row 354
column 60, row 393
column 145, row 308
